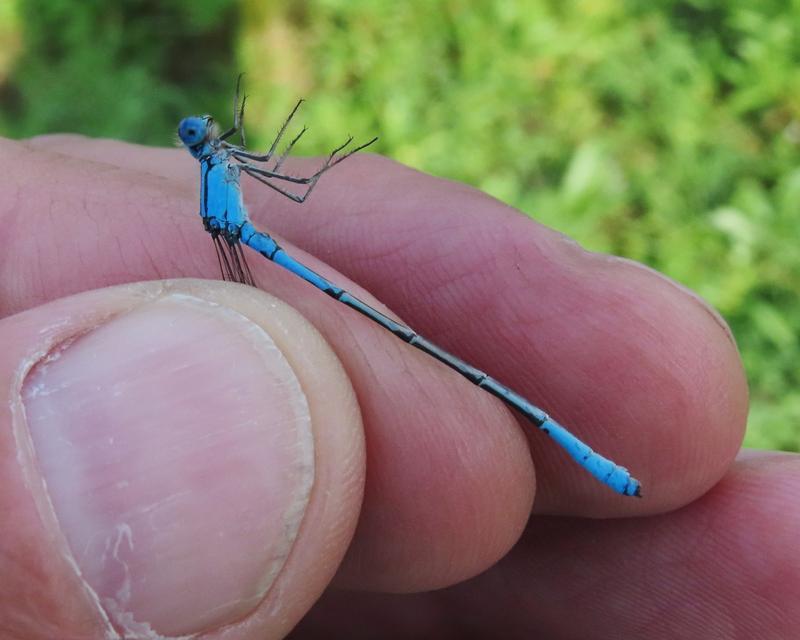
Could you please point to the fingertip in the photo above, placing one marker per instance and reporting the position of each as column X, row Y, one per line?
column 222, row 489
column 655, row 383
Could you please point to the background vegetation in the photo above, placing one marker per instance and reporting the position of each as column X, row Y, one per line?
column 666, row 131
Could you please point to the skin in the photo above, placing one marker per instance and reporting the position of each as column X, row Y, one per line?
column 454, row 484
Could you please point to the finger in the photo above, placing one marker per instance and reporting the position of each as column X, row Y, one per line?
column 720, row 568
column 566, row 317
column 176, row 458
column 162, row 162
column 641, row 368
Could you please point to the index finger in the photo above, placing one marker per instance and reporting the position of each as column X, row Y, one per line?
column 634, row 365
column 607, row 346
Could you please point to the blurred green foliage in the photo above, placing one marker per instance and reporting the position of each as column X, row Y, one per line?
column 667, row 132
column 123, row 69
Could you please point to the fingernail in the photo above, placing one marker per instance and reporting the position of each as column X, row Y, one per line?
column 176, row 445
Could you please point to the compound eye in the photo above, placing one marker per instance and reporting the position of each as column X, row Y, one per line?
column 192, row 130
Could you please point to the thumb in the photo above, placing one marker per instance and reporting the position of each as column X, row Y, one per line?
column 176, row 458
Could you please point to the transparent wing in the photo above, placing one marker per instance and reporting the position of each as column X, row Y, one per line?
column 232, row 261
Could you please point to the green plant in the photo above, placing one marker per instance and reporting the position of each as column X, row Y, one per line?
column 120, row 69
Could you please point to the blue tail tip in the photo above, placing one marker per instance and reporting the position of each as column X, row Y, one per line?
column 633, row 488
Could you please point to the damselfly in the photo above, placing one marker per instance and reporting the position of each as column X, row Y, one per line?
column 226, row 219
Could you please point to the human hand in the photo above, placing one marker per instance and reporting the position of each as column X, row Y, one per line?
column 639, row 368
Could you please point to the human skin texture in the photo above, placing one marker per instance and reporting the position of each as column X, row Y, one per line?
column 459, row 494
